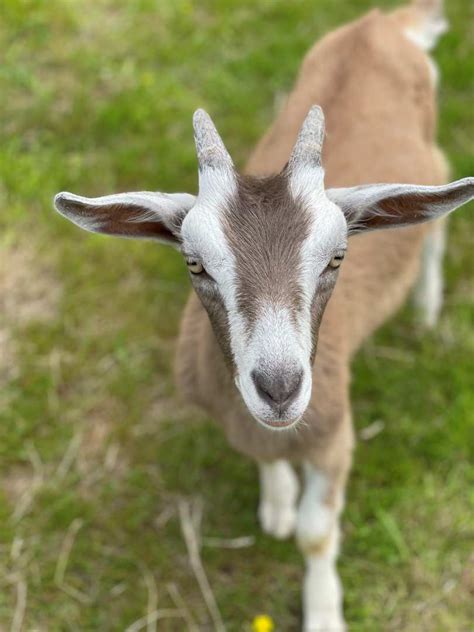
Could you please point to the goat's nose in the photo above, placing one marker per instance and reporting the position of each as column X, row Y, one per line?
column 278, row 390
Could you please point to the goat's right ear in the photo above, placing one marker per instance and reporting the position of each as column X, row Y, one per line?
column 144, row 215
column 375, row 206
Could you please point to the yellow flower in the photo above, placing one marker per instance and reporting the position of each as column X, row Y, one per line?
column 262, row 623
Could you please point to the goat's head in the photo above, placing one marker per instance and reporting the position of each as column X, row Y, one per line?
column 263, row 253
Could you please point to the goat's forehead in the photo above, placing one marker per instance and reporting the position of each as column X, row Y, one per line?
column 265, row 225
column 261, row 223
column 202, row 232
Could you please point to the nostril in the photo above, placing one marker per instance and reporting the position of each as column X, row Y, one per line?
column 294, row 386
column 278, row 390
column 263, row 387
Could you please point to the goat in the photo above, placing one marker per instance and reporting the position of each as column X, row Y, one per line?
column 269, row 331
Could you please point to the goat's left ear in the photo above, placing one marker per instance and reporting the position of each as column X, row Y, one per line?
column 375, row 206
column 144, row 215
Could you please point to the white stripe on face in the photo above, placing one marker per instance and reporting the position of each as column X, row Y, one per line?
column 278, row 349
column 277, row 346
column 201, row 232
column 328, row 235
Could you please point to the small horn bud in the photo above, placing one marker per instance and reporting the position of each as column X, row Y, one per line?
column 211, row 151
column 309, row 144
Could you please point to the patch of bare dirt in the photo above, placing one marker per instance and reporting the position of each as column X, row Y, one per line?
column 17, row 481
column 29, row 292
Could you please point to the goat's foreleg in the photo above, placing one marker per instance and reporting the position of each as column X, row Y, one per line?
column 429, row 291
column 279, row 489
column 317, row 533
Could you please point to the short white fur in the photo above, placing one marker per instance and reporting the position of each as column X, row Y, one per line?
column 317, row 533
column 279, row 489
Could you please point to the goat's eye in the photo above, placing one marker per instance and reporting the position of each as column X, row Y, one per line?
column 195, row 267
column 336, row 260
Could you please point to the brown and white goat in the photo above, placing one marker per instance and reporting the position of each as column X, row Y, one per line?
column 269, row 330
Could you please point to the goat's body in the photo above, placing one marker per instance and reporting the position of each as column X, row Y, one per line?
column 376, row 89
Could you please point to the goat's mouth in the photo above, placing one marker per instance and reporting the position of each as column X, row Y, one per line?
column 282, row 424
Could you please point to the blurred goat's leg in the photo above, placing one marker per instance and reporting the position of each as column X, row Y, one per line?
column 429, row 292
column 322, row 589
column 317, row 533
column 279, row 489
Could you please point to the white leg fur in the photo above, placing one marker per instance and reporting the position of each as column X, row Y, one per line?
column 322, row 591
column 279, row 490
column 429, row 292
column 318, row 537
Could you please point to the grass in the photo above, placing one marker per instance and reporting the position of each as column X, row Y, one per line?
column 95, row 453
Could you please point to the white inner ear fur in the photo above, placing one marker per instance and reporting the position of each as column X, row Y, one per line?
column 161, row 207
column 363, row 200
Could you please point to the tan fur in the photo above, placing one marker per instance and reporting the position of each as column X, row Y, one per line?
column 375, row 88
column 317, row 547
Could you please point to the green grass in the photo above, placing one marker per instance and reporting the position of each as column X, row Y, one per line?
column 98, row 97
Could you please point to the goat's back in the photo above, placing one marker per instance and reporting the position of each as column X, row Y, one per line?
column 377, row 93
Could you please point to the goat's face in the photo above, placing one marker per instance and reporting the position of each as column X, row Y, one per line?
column 263, row 253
